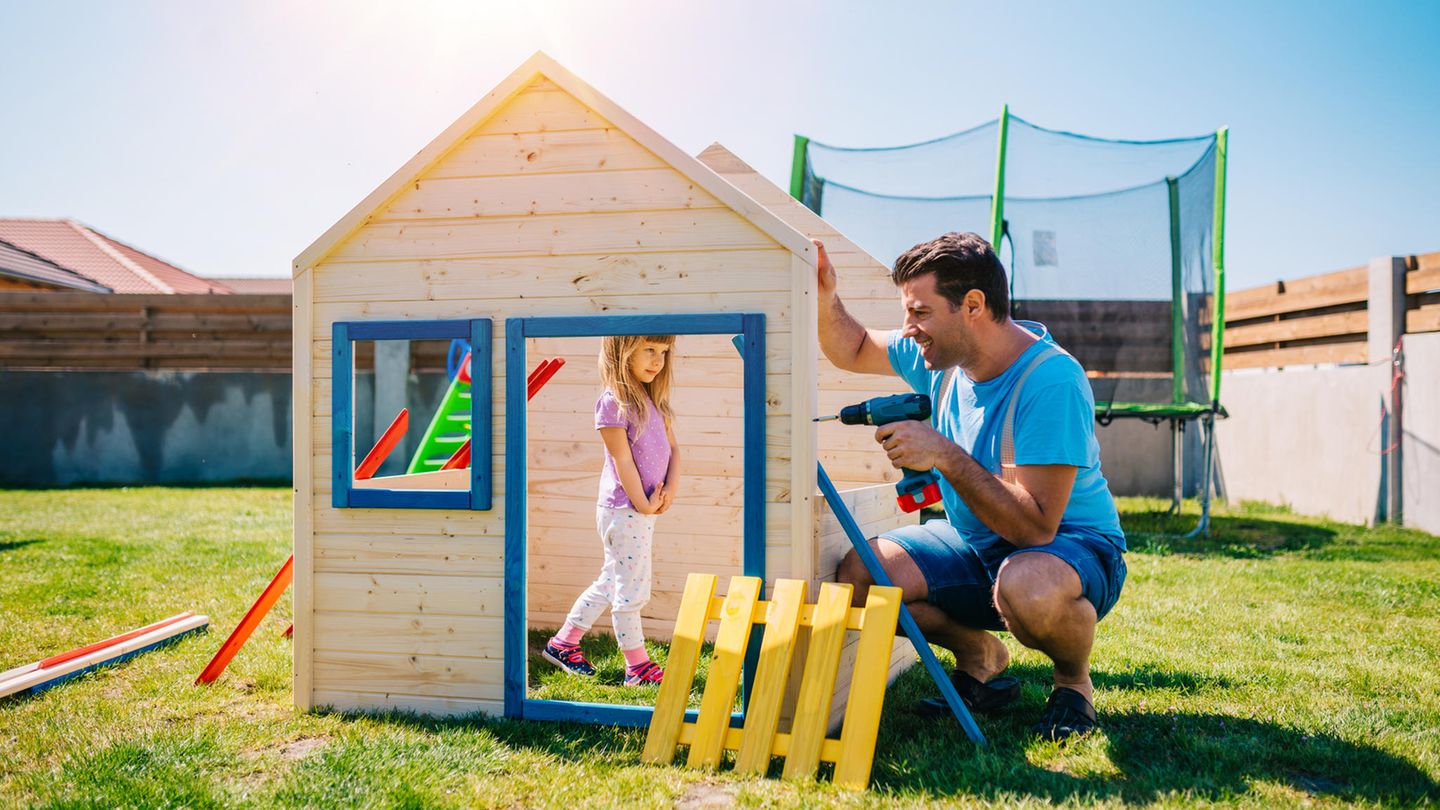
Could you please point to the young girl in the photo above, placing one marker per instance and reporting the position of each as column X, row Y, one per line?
column 641, row 472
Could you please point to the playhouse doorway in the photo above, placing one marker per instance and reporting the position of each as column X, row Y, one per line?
column 555, row 457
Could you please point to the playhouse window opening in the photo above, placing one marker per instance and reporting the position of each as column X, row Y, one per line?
column 404, row 413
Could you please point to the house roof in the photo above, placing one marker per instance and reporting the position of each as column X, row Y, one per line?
column 107, row 262
column 537, row 66
column 268, row 285
column 17, row 262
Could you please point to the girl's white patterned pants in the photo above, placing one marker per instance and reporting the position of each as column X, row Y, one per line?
column 624, row 581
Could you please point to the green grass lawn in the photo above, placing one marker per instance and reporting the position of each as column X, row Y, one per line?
column 1287, row 660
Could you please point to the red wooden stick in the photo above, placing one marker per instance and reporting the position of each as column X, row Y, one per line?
column 459, row 459
column 542, row 375
column 382, row 448
column 537, row 379
column 99, row 645
column 247, row 625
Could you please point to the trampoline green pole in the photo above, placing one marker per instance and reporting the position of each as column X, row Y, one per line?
column 797, row 168
column 1177, row 298
column 997, row 203
column 1217, row 324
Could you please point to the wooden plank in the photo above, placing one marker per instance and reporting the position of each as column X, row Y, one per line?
column 780, row 203
column 1423, row 319
column 559, row 152
column 621, row 273
column 539, row 109
column 303, row 505
column 447, row 555
column 1347, row 352
column 408, row 594
column 777, row 647
column 454, row 636
column 817, row 685
column 725, row 668
column 1311, row 292
column 684, row 656
column 24, row 679
column 352, row 701
column 545, row 235
column 528, row 195
column 424, row 675
column 101, row 323
column 867, row 688
column 158, row 302
column 436, row 480
column 777, row 313
column 1426, row 275
column 802, row 403
column 1315, row 326
column 278, row 348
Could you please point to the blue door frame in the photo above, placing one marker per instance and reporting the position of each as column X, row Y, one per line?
column 750, row 327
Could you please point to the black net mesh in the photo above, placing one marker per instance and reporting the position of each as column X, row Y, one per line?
column 1108, row 242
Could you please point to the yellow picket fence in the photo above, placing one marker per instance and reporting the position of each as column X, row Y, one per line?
column 806, row 745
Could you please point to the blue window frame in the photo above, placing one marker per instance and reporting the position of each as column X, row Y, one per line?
column 342, row 449
column 750, row 331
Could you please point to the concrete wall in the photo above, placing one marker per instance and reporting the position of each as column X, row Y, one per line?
column 1307, row 437
column 154, row 427
column 1316, row 438
column 1420, row 421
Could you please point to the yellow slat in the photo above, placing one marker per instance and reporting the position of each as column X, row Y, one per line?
column 867, row 688
column 829, row 749
column 724, row 678
column 782, row 622
column 812, row 707
column 679, row 670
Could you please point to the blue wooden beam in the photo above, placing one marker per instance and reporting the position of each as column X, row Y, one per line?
column 907, row 622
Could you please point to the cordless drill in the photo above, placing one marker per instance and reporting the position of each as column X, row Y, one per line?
column 917, row 489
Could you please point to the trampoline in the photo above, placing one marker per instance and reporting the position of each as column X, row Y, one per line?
column 1116, row 245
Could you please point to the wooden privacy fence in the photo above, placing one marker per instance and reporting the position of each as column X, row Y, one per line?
column 1322, row 318
column 1315, row 319
column 109, row 332
column 127, row 332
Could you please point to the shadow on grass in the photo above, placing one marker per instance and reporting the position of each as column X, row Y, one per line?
column 1238, row 536
column 11, row 545
column 1136, row 757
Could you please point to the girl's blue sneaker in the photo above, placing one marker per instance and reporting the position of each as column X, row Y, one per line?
column 569, row 658
column 646, row 674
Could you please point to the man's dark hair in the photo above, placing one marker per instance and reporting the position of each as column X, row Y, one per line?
column 961, row 262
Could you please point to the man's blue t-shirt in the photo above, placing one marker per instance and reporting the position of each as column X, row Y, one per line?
column 1054, row 424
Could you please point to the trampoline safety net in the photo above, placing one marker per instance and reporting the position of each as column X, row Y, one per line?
column 1115, row 245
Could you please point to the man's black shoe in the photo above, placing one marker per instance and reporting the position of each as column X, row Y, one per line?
column 1067, row 713
column 984, row 698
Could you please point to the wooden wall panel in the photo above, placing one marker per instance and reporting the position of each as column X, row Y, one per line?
column 544, row 212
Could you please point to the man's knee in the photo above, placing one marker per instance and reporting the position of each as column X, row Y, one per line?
column 852, row 571
column 1033, row 589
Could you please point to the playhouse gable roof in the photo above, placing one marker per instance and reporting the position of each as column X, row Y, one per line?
column 540, row 67
column 779, row 202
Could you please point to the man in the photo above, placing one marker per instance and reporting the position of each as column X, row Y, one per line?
column 1032, row 542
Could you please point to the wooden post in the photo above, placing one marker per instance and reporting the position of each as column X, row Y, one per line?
column 1386, row 314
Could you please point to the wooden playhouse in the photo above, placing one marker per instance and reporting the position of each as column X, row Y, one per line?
column 545, row 217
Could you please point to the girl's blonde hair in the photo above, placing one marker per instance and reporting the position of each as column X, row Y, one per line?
column 615, row 354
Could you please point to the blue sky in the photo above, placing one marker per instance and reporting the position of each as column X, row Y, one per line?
column 227, row 137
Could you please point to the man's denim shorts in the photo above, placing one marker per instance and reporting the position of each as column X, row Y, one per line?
column 961, row 577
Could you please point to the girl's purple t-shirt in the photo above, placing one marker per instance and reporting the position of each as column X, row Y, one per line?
column 649, row 445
